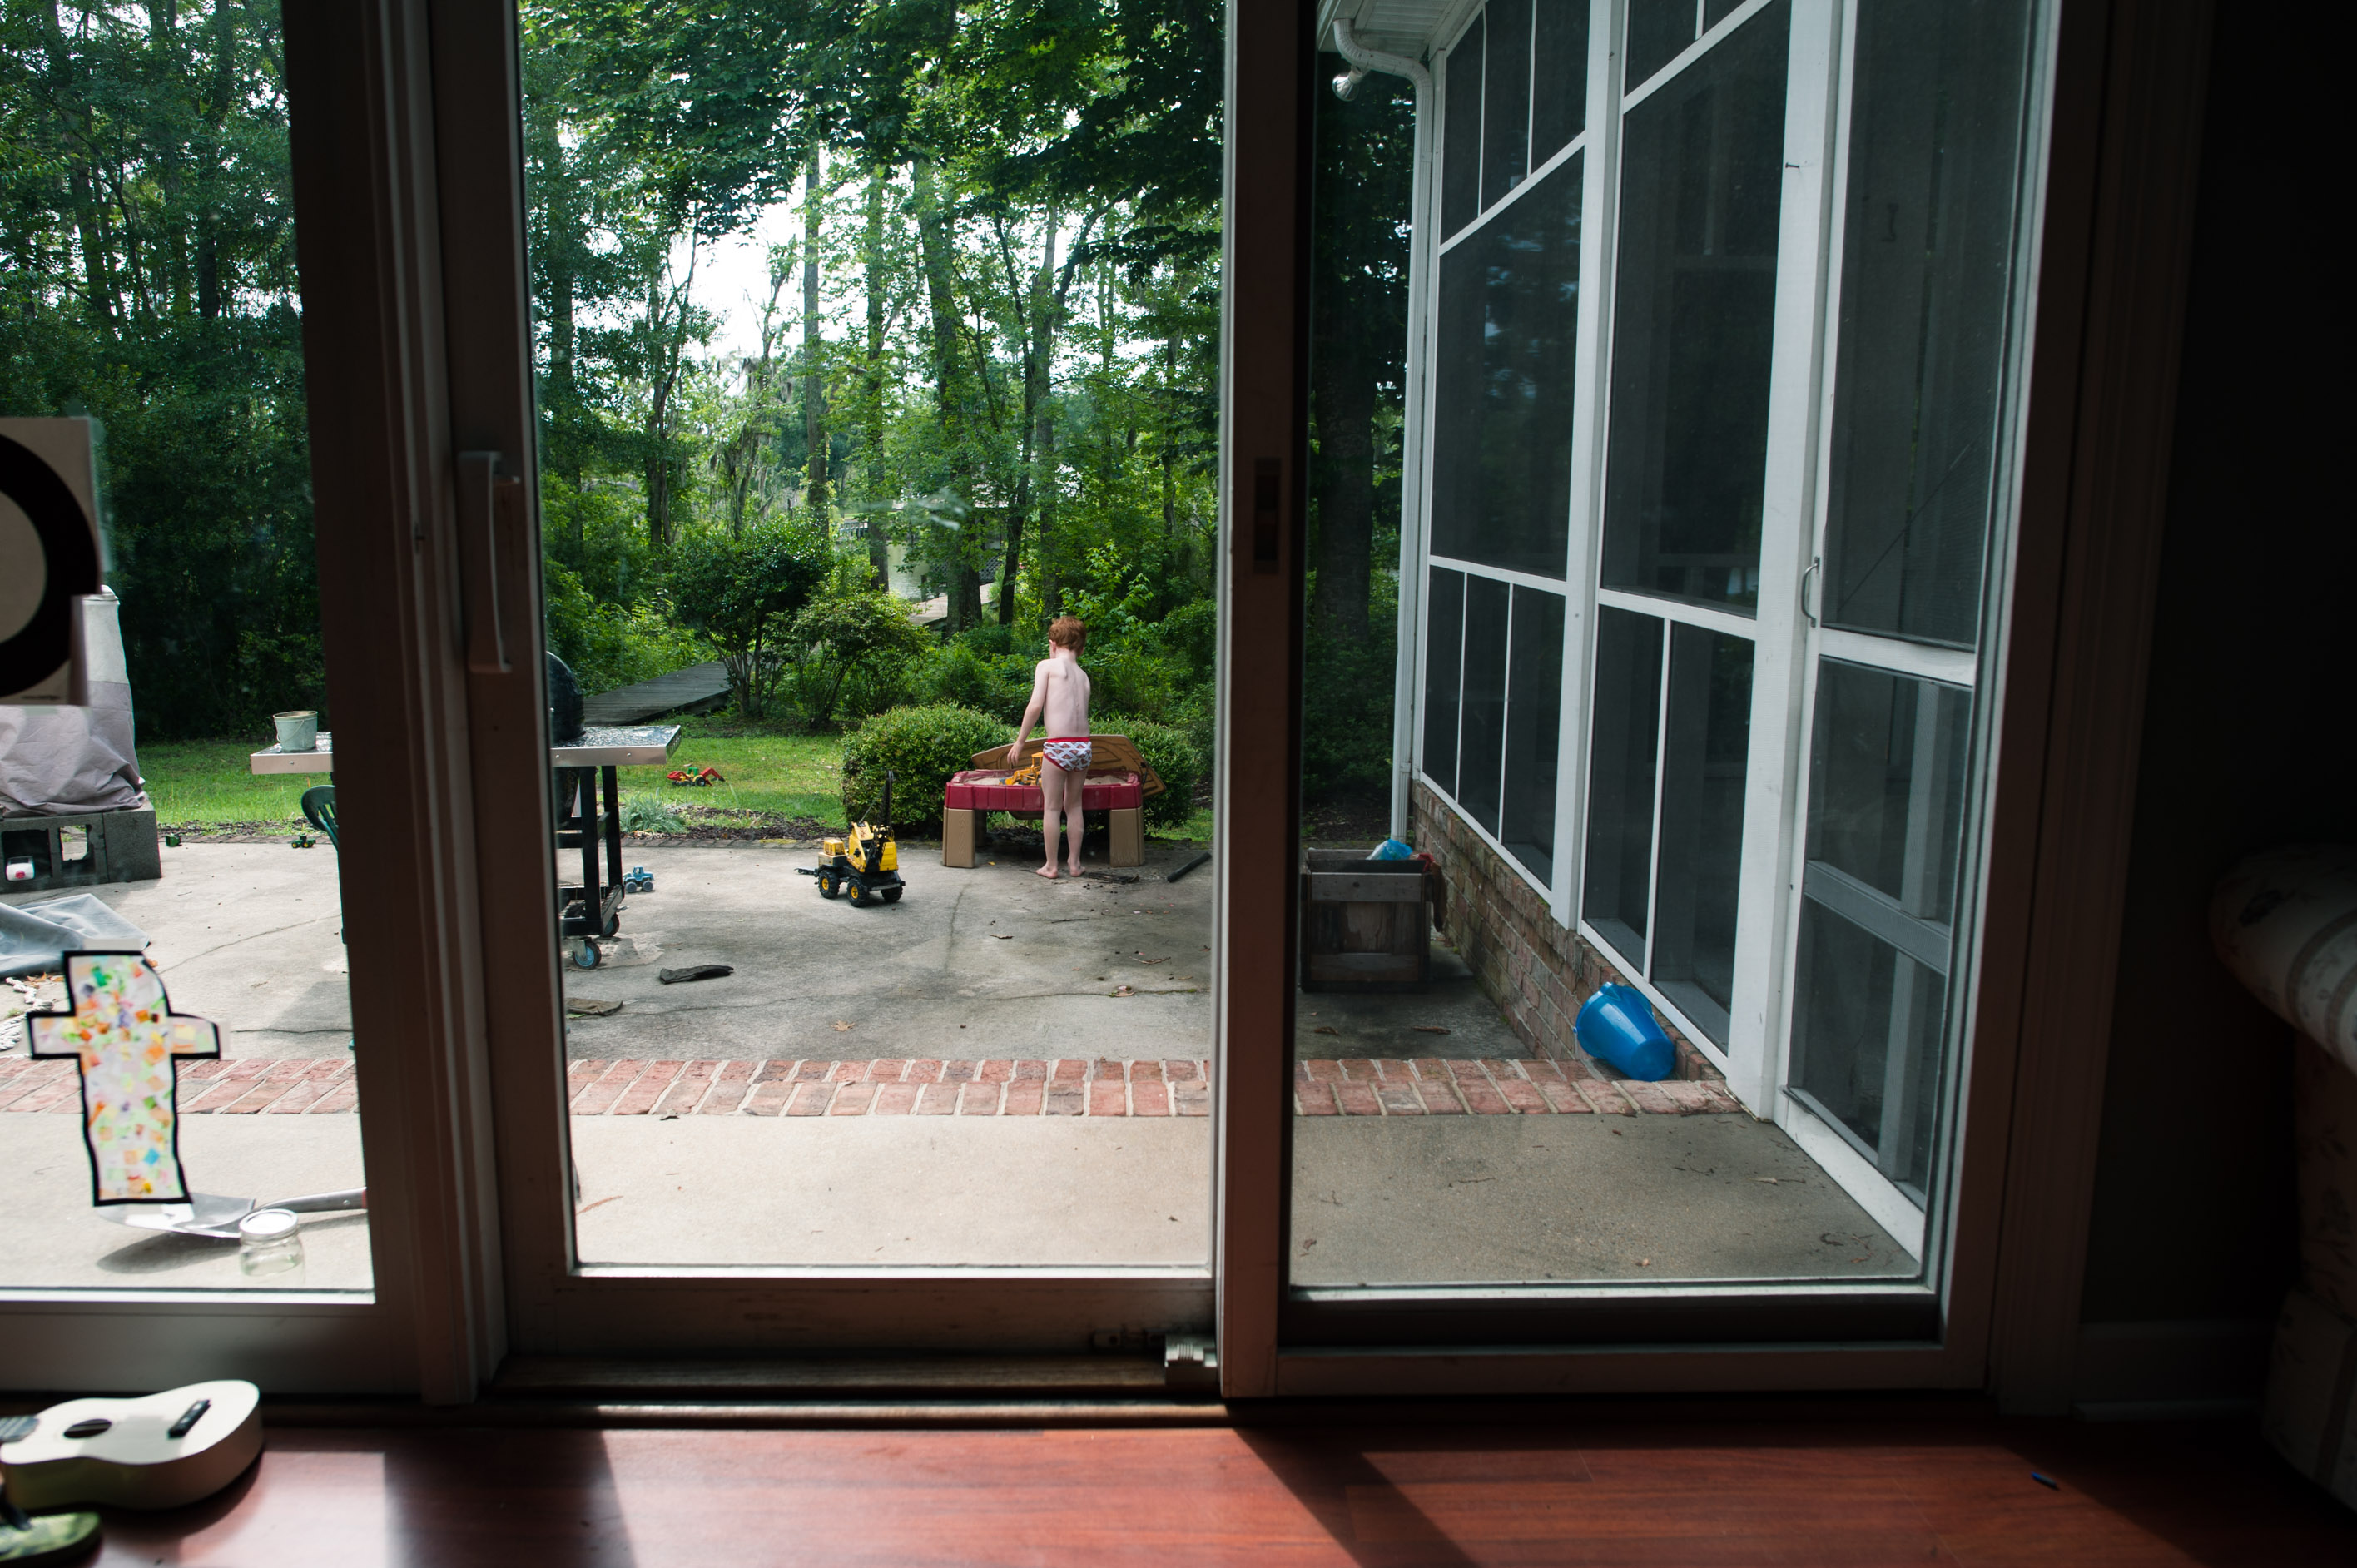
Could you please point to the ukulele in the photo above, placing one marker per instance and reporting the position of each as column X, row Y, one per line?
column 154, row 1453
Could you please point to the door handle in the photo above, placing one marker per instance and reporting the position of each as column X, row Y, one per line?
column 1808, row 580
column 485, row 498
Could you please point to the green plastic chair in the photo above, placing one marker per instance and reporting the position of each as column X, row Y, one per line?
column 319, row 811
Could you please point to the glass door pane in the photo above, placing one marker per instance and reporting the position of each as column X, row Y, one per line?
column 1702, row 171
column 1616, row 790
column 871, row 441
column 1916, row 458
column 177, row 1037
column 1886, row 817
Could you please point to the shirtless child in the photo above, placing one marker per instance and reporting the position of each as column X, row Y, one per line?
column 1060, row 694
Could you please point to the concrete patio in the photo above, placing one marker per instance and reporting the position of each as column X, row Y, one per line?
column 1006, row 1069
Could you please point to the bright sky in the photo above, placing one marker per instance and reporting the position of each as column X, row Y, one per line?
column 732, row 279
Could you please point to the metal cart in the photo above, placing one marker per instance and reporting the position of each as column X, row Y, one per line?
column 588, row 796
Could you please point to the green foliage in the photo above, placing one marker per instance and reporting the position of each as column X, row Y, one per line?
column 1346, row 713
column 1173, row 756
column 651, row 814
column 740, row 591
column 850, row 630
column 922, row 747
column 1007, row 372
column 607, row 644
column 962, row 673
column 147, row 278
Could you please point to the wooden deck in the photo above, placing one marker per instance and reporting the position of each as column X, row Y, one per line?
column 691, row 690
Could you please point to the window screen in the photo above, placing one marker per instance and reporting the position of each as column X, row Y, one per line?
column 1558, row 76
column 1623, row 736
column 1444, row 657
column 1460, row 177
column 1533, row 719
column 1694, row 321
column 1506, row 98
column 1482, row 729
column 1507, row 332
column 1926, row 240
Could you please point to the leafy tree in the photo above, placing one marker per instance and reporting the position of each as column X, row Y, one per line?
column 741, row 591
column 854, row 629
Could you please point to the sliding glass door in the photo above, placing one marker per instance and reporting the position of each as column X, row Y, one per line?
column 1899, row 608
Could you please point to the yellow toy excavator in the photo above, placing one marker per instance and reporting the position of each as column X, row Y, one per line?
column 866, row 862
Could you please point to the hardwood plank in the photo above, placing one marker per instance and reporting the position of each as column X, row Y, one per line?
column 1382, row 1490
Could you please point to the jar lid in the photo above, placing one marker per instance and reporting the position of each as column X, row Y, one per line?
column 267, row 1225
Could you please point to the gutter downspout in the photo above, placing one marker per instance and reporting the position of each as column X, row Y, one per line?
column 1417, row 415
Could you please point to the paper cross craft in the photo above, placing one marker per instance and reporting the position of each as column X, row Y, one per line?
column 120, row 1025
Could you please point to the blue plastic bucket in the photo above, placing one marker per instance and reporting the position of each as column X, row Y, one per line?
column 1618, row 1026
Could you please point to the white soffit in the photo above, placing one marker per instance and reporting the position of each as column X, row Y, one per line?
column 1389, row 26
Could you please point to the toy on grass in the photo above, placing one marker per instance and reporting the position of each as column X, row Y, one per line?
column 120, row 1027
column 866, row 862
column 695, row 778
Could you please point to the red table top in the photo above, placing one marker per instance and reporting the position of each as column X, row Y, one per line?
column 985, row 789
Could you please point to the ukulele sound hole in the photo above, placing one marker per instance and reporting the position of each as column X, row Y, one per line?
column 88, row 1427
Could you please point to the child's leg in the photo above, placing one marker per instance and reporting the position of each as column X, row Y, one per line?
column 1051, row 805
column 1080, row 818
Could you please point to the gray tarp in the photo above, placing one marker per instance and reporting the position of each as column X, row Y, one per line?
column 35, row 938
column 61, row 761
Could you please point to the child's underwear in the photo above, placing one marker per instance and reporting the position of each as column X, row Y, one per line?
column 1072, row 756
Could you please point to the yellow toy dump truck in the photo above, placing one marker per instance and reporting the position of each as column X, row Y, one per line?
column 866, row 862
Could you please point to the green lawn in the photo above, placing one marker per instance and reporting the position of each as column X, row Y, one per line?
column 209, row 782
column 787, row 775
column 199, row 783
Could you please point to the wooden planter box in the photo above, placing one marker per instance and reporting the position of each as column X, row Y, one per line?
column 1366, row 925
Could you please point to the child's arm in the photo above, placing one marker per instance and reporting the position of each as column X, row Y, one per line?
column 1031, row 711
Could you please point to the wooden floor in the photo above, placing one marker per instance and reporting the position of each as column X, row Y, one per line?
column 1403, row 1487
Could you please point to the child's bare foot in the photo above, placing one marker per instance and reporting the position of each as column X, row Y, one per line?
column 1048, row 871
column 1076, row 868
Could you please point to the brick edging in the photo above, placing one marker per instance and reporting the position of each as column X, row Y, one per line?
column 1425, row 1086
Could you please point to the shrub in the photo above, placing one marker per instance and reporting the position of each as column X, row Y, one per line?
column 922, row 746
column 610, row 645
column 1170, row 753
column 741, row 591
column 957, row 674
column 857, row 636
column 651, row 814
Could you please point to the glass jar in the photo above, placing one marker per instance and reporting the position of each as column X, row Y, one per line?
column 269, row 1243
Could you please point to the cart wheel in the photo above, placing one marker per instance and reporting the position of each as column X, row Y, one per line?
column 827, row 885
column 586, row 955
column 892, row 894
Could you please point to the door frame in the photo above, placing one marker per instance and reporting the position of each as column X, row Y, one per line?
column 2110, row 213
column 405, row 337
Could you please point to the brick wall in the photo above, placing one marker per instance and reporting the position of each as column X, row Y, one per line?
column 1538, row 971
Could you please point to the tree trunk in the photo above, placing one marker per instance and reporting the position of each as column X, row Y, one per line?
column 1038, row 353
column 1343, row 395
column 879, row 546
column 813, row 380
column 217, row 106
column 667, row 316
column 1169, row 468
column 933, row 240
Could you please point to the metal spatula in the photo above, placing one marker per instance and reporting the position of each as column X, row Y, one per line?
column 216, row 1218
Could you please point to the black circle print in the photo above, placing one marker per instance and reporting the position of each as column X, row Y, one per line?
column 45, row 640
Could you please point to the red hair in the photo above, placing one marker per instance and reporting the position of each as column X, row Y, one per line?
column 1068, row 632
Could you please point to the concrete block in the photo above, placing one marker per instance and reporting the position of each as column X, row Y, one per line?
column 82, row 851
